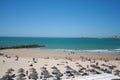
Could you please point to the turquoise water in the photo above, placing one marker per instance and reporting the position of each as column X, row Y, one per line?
column 92, row 44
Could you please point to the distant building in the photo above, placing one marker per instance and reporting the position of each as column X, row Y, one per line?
column 115, row 37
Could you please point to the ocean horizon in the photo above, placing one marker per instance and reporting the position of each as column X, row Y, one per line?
column 104, row 45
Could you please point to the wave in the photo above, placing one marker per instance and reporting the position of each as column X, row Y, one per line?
column 105, row 50
column 89, row 51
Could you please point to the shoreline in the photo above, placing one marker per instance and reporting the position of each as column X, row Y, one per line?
column 95, row 51
column 49, row 58
column 34, row 52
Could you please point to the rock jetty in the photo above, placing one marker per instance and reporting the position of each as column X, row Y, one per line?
column 21, row 46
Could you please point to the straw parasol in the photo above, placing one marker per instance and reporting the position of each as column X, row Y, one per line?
column 10, row 70
column 117, row 70
column 21, row 70
column 32, row 70
column 6, row 77
column 33, row 76
column 43, row 67
column 20, row 78
column 53, row 67
column 7, row 73
column 21, row 74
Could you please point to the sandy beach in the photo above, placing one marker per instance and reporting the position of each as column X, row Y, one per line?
column 50, row 58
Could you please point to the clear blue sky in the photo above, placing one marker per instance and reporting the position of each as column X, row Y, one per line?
column 60, row 18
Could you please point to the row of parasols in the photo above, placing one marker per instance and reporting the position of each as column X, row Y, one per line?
column 45, row 74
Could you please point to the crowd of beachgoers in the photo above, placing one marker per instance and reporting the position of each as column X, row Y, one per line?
column 16, row 66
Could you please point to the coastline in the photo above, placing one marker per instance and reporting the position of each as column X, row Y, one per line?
column 41, row 53
column 50, row 58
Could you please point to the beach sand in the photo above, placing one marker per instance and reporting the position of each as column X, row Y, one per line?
column 50, row 58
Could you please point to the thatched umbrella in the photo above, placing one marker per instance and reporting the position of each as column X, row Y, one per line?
column 7, row 73
column 67, row 66
column 103, row 65
column 21, row 75
column 59, row 74
column 53, row 67
column 10, row 70
column 32, row 70
column 10, row 74
column 21, row 70
column 117, row 72
column 3, row 78
column 43, row 67
column 55, row 71
column 46, row 74
column 33, row 76
column 6, row 77
column 78, row 65
column 20, row 78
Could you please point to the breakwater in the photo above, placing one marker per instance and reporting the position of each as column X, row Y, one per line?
column 22, row 46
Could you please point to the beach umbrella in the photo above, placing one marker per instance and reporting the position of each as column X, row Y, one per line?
column 67, row 66
column 55, row 71
column 33, row 75
column 21, row 75
column 7, row 73
column 32, row 69
column 10, row 70
column 20, row 78
column 59, row 74
column 43, row 67
column 6, row 77
column 78, row 65
column 21, row 70
column 117, row 70
column 46, row 74
column 54, row 67
column 3, row 78
column 103, row 65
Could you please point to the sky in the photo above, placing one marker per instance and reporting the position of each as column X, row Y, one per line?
column 60, row 18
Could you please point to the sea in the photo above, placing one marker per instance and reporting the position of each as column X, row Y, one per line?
column 88, row 45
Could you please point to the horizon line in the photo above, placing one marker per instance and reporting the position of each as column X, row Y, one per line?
column 57, row 37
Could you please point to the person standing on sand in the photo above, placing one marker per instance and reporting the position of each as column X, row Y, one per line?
column 17, row 57
column 96, row 63
column 3, row 61
column 27, row 72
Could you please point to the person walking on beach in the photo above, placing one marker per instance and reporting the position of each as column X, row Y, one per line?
column 96, row 63
column 27, row 73
column 3, row 61
column 17, row 57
